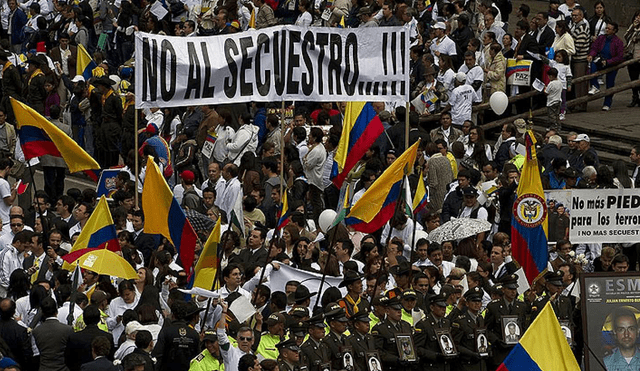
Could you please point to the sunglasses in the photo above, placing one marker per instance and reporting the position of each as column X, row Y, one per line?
column 16, row 225
column 242, row 338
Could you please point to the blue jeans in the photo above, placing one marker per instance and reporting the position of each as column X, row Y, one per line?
column 611, row 81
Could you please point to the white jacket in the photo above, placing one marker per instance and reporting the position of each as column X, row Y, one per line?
column 237, row 145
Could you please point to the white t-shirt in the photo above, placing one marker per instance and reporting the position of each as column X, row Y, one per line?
column 5, row 191
column 554, row 92
column 474, row 74
column 461, row 100
column 447, row 79
column 564, row 9
column 444, row 46
column 304, row 19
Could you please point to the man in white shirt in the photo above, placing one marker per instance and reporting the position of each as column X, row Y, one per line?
column 214, row 172
column 227, row 195
column 475, row 74
column 7, row 192
column 16, row 225
column 232, row 278
column 12, row 258
column 442, row 44
column 313, row 164
column 82, row 214
column 230, row 353
column 461, row 101
column 491, row 24
column 435, row 258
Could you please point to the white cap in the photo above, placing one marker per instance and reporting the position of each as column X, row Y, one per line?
column 461, row 77
column 439, row 25
column 78, row 78
column 133, row 326
column 582, row 137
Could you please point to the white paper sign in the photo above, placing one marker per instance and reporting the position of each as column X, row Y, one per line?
column 242, row 308
column 538, row 85
column 158, row 10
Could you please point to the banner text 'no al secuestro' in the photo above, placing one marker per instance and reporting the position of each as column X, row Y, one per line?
column 273, row 64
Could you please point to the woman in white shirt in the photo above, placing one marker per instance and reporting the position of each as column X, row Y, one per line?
column 128, row 299
column 305, row 18
column 446, row 75
column 476, row 138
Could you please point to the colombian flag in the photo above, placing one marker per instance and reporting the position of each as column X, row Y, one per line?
column 542, row 347
column 421, row 198
column 361, row 128
column 98, row 233
column 429, row 6
column 529, row 219
column 378, row 203
column 163, row 215
column 207, row 266
column 514, row 65
column 84, row 63
column 39, row 137
column 283, row 212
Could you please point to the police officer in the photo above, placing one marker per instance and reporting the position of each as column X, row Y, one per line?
column 508, row 305
column 410, row 313
column 560, row 303
column 360, row 340
column 178, row 343
column 297, row 332
column 353, row 301
column 335, row 339
column 385, row 331
column 314, row 349
column 289, row 355
column 463, row 331
column 210, row 358
column 427, row 345
column 268, row 340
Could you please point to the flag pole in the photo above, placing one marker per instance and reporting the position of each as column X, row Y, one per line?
column 324, row 269
column 282, row 114
column 45, row 225
column 406, row 127
column 137, row 160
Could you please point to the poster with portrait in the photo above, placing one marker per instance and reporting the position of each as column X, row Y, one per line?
column 406, row 349
column 373, row 361
column 447, row 346
column 482, row 343
column 565, row 326
column 347, row 358
column 610, row 314
column 559, row 214
column 511, row 330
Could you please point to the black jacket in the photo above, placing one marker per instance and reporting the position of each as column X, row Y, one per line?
column 78, row 351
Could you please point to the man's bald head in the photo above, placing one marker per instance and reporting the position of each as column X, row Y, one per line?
column 16, row 210
column 7, row 309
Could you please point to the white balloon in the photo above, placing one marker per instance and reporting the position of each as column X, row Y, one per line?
column 326, row 218
column 498, row 102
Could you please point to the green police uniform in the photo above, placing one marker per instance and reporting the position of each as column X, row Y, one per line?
column 205, row 362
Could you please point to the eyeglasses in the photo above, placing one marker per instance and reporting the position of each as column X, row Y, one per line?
column 16, row 224
column 242, row 338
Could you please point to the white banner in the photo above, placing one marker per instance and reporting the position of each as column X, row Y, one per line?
column 604, row 216
column 273, row 64
column 279, row 278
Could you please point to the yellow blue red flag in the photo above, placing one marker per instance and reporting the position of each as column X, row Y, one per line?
column 529, row 220
column 421, row 198
column 163, row 215
column 39, row 137
column 98, row 233
column 84, row 63
column 542, row 347
column 360, row 129
column 378, row 203
column 208, row 262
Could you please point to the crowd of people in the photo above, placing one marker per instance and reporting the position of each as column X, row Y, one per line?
column 394, row 284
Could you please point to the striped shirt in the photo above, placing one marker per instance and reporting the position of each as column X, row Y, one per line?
column 581, row 39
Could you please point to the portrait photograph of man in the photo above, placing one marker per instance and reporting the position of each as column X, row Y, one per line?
column 626, row 354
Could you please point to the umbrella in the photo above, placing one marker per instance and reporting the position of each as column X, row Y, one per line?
column 75, row 255
column 457, row 229
column 103, row 261
column 199, row 221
